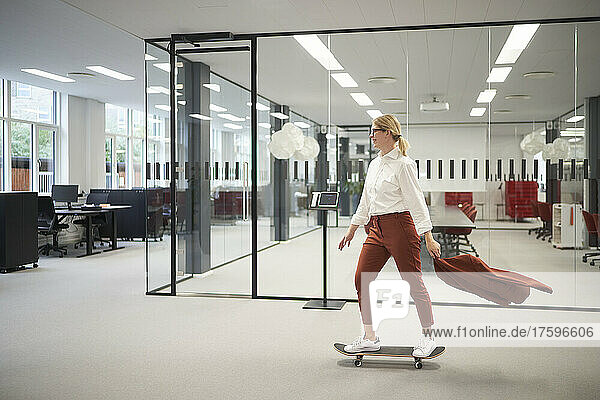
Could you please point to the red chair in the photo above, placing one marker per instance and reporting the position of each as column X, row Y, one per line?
column 591, row 224
column 545, row 211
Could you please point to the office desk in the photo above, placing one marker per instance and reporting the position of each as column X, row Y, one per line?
column 88, row 214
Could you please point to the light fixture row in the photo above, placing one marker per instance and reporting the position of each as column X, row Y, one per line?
column 517, row 41
column 63, row 79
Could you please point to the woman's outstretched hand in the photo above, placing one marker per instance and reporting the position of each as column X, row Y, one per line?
column 433, row 247
column 347, row 237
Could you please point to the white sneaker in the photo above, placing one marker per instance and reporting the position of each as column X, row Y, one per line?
column 361, row 344
column 424, row 347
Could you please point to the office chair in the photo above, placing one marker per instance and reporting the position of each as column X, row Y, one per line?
column 545, row 211
column 97, row 220
column 460, row 236
column 591, row 225
column 48, row 225
column 536, row 215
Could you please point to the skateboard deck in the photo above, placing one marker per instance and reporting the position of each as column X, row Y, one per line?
column 390, row 351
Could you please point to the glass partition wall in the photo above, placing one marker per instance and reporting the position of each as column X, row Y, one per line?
column 501, row 120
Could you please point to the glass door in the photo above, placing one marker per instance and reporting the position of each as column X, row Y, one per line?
column 45, row 158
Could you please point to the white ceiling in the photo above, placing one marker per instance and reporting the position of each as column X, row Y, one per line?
column 64, row 36
column 55, row 37
column 158, row 18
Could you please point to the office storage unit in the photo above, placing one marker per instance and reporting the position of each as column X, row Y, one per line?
column 518, row 197
column 134, row 223
column 567, row 226
column 18, row 230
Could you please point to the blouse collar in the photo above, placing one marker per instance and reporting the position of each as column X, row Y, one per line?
column 393, row 154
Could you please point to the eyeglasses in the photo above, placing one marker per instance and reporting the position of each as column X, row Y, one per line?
column 374, row 130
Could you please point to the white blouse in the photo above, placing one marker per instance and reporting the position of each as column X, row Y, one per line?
column 392, row 186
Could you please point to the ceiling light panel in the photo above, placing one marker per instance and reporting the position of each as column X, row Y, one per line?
column 232, row 126
column 517, row 41
column 259, row 106
column 148, row 57
column 344, row 79
column 265, row 125
column 213, row 86
column 362, row 99
column 486, row 96
column 575, row 118
column 279, row 115
column 374, row 113
column 47, row 75
column 232, row 117
column 498, row 74
column 201, row 117
column 216, row 108
column 110, row 72
column 163, row 107
column 477, row 111
column 313, row 45
column 302, row 125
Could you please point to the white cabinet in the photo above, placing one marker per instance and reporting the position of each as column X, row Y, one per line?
column 568, row 227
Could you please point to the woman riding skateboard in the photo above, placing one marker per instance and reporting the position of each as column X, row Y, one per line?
column 392, row 208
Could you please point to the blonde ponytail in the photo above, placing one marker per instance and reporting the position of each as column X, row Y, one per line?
column 391, row 123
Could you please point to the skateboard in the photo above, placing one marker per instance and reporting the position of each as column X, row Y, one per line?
column 390, row 351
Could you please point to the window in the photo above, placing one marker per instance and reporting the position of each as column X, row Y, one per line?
column 20, row 155
column 116, row 120
column 23, row 91
column 31, row 103
column 108, row 161
column 121, row 161
column 137, row 153
column 137, row 123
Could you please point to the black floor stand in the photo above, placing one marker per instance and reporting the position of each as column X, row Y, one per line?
column 324, row 303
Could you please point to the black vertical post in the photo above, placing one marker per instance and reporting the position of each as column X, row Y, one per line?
column 343, row 176
column 281, row 185
column 254, row 163
column 592, row 136
column 552, row 180
column 173, row 136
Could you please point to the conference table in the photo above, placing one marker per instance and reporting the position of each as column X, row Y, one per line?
column 448, row 217
column 445, row 217
column 88, row 213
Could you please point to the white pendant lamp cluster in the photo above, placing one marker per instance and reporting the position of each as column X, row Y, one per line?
column 290, row 141
column 536, row 142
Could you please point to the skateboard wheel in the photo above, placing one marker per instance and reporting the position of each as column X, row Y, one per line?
column 357, row 363
column 418, row 364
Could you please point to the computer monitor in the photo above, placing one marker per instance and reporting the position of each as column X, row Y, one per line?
column 65, row 193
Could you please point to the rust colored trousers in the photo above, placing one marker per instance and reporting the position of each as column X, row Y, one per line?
column 392, row 235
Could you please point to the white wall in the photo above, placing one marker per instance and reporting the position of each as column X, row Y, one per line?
column 82, row 143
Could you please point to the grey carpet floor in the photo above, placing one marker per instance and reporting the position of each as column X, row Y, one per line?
column 83, row 329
